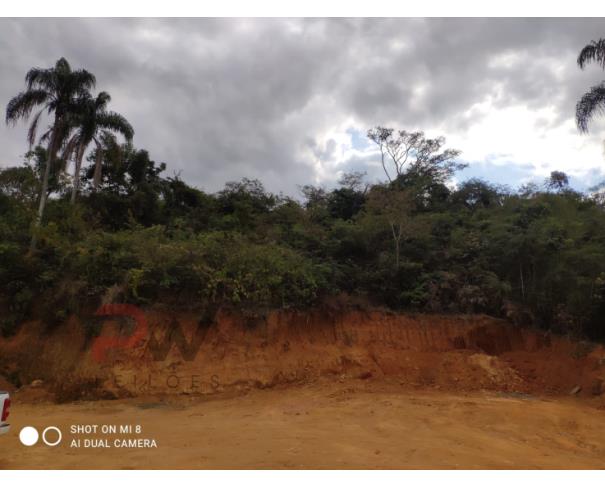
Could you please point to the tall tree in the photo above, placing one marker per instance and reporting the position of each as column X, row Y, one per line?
column 90, row 122
column 404, row 152
column 55, row 90
column 558, row 181
column 593, row 101
column 393, row 208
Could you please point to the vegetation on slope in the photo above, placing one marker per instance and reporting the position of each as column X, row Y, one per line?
column 415, row 241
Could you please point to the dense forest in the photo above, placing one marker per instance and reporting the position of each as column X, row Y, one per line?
column 88, row 216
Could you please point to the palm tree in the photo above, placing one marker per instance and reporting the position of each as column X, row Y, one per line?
column 56, row 91
column 92, row 122
column 592, row 102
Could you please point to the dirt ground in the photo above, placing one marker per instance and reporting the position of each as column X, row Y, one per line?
column 329, row 424
column 320, row 389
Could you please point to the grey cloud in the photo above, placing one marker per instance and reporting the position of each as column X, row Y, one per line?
column 219, row 99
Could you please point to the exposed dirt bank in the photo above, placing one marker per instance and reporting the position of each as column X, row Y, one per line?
column 326, row 424
column 339, row 389
column 179, row 354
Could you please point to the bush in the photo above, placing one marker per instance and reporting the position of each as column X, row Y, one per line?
column 217, row 267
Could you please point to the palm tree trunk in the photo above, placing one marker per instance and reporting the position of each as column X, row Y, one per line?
column 76, row 187
column 96, row 179
column 52, row 155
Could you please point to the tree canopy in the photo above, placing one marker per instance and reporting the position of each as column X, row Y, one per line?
column 416, row 241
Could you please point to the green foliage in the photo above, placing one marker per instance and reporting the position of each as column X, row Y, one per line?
column 223, row 268
column 412, row 243
column 471, row 249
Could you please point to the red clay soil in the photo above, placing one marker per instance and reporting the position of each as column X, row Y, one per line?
column 452, row 353
column 322, row 389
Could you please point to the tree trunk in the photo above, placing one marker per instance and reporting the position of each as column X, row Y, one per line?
column 76, row 188
column 96, row 179
column 396, row 240
column 522, row 282
column 52, row 154
column 384, row 164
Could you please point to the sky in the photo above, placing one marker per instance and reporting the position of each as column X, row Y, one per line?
column 289, row 101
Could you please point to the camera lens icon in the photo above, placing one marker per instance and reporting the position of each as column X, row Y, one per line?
column 45, row 436
column 29, row 436
column 51, row 436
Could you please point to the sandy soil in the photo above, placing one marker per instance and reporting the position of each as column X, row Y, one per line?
column 354, row 424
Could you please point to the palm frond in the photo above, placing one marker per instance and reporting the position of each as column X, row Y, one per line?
column 41, row 78
column 115, row 122
column 591, row 104
column 595, row 51
column 45, row 137
column 102, row 100
column 62, row 66
column 72, row 146
column 33, row 128
column 107, row 140
column 22, row 105
column 83, row 80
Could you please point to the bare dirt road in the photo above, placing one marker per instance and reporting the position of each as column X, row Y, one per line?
column 324, row 425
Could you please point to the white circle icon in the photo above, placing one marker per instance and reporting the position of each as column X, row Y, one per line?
column 58, row 440
column 29, row 436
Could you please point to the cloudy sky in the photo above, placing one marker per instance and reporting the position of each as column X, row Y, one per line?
column 290, row 101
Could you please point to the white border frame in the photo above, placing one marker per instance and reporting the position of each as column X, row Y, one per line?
column 303, row 8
